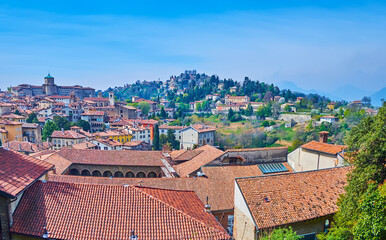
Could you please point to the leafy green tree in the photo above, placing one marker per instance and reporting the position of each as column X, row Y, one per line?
column 62, row 122
column 164, row 115
column 83, row 124
column 367, row 145
column 156, row 138
column 171, row 138
column 231, row 113
column 198, row 107
column 145, row 107
column 264, row 111
column 48, row 129
column 282, row 233
column 249, row 110
column 32, row 118
column 163, row 140
column 17, row 112
column 287, row 108
column 265, row 123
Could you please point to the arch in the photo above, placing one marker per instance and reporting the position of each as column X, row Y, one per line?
column 130, row 175
column 85, row 172
column 160, row 175
column 74, row 171
column 118, row 174
column 152, row 175
column 97, row 173
column 141, row 175
column 107, row 174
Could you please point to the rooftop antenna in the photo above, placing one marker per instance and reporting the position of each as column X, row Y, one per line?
column 45, row 232
column 133, row 236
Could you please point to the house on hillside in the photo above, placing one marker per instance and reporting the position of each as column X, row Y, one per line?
column 197, row 135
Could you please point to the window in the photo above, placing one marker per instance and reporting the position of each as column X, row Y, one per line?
column 272, row 168
column 231, row 219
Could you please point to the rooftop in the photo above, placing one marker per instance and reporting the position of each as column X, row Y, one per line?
column 281, row 199
column 80, row 211
column 324, row 147
column 18, row 171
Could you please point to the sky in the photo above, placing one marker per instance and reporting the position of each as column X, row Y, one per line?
column 324, row 45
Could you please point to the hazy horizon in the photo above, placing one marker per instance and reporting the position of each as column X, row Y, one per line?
column 324, row 45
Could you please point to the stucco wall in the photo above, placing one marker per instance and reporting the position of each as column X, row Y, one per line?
column 244, row 226
column 113, row 169
column 306, row 160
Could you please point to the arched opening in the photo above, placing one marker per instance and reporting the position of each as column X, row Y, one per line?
column 152, row 175
column 74, row 172
column 141, row 175
column 118, row 174
column 85, row 172
column 129, row 175
column 96, row 173
column 160, row 175
column 107, row 174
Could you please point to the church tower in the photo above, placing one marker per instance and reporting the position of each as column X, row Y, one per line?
column 111, row 98
column 49, row 87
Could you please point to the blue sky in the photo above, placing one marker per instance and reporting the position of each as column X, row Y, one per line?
column 315, row 44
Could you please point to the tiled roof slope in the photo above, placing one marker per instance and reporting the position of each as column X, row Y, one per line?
column 324, row 147
column 112, row 157
column 208, row 154
column 218, row 185
column 67, row 134
column 293, row 197
column 85, row 211
column 18, row 171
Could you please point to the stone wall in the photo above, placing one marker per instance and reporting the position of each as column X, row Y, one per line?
column 114, row 169
column 4, row 218
column 253, row 156
column 298, row 118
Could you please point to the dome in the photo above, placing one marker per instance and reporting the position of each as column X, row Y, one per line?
column 49, row 76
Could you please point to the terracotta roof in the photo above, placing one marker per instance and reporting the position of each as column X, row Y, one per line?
column 67, row 134
column 133, row 143
column 93, row 113
column 187, row 155
column 30, row 125
column 287, row 198
column 96, row 99
column 112, row 157
column 217, row 177
column 28, row 147
column 203, row 128
column 207, row 155
column 171, row 127
column 80, row 211
column 18, row 171
column 324, row 147
column 83, row 145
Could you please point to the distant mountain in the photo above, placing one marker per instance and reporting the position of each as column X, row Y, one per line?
column 293, row 87
column 376, row 97
column 350, row 93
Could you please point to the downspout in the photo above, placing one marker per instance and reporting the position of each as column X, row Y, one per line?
column 317, row 167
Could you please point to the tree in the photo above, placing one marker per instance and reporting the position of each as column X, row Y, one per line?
column 145, row 107
column 249, row 110
column 62, row 122
column 48, row 129
column 17, row 112
column 32, row 118
column 198, row 107
column 164, row 115
column 287, row 108
column 282, row 233
column 367, row 146
column 156, row 139
column 231, row 113
column 83, row 124
column 171, row 138
column 163, row 140
column 366, row 100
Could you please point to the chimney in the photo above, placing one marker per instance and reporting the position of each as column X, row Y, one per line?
column 323, row 136
column 100, row 94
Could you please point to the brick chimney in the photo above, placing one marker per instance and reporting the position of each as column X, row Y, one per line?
column 323, row 136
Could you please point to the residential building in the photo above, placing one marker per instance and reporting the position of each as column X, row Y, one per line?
column 329, row 119
column 140, row 133
column 106, row 144
column 305, row 201
column 137, row 145
column 12, row 117
column 121, row 136
column 32, row 132
column 66, row 138
column 96, row 119
column 317, row 155
column 124, row 111
column 28, row 147
column 163, row 129
column 12, row 130
column 236, row 99
column 197, row 135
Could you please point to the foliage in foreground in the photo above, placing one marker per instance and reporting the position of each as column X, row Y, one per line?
column 361, row 213
column 282, row 233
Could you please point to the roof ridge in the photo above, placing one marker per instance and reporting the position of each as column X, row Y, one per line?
column 178, row 210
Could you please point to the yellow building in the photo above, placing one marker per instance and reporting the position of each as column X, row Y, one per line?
column 13, row 131
column 331, row 106
column 120, row 136
column 12, row 117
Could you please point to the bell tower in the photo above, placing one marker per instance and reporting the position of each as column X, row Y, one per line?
column 49, row 87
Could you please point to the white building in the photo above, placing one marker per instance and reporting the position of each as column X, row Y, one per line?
column 140, row 134
column 163, row 129
column 197, row 135
column 329, row 119
column 317, row 155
